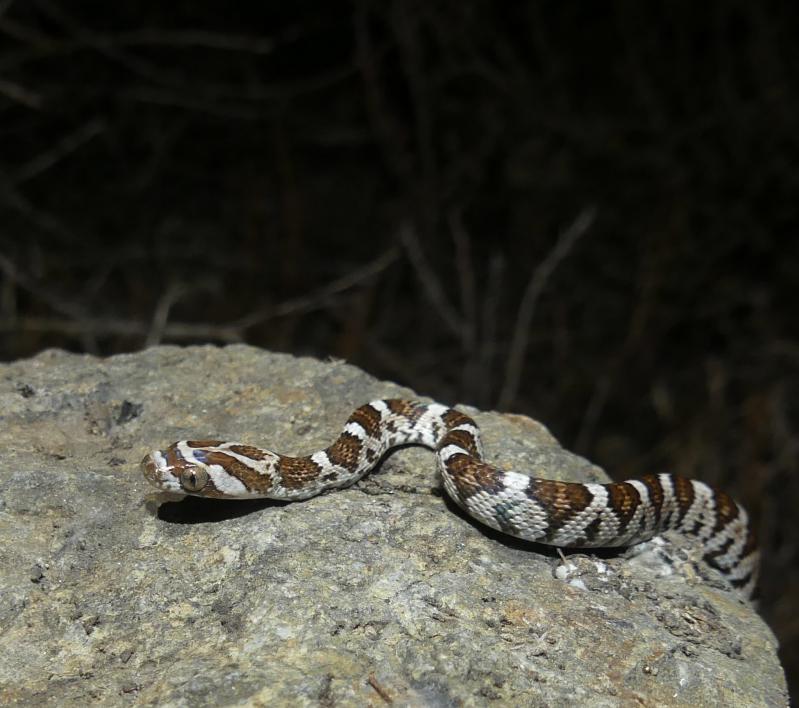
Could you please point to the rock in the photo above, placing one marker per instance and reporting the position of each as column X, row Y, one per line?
column 380, row 593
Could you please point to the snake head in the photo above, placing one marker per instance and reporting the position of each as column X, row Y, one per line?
column 209, row 468
column 171, row 472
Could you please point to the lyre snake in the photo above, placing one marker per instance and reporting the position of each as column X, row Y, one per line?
column 565, row 514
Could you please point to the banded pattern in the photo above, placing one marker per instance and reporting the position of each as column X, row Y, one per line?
column 566, row 514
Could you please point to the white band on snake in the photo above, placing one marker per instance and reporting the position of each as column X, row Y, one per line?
column 565, row 514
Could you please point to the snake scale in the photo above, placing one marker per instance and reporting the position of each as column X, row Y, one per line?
column 564, row 514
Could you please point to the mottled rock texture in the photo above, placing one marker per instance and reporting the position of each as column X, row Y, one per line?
column 379, row 593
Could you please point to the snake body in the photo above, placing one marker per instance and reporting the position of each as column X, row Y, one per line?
column 564, row 514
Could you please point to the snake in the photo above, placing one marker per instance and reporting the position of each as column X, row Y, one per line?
column 551, row 512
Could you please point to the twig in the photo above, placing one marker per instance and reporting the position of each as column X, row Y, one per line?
column 69, row 143
column 430, row 281
column 21, row 95
column 465, row 268
column 535, row 286
column 201, row 38
column 53, row 300
column 105, row 46
column 388, row 130
column 468, row 297
column 57, row 303
column 161, row 313
column 385, row 695
column 103, row 327
column 320, row 297
column 425, row 186
column 593, row 410
column 26, row 35
column 8, row 300
column 48, row 223
column 190, row 102
column 489, row 316
column 78, row 322
column 226, row 100
column 399, row 366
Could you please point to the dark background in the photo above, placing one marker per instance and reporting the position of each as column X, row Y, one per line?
column 583, row 212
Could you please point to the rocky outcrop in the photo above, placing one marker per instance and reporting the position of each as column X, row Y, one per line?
column 380, row 593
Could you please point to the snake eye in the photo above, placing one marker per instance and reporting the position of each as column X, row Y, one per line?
column 193, row 480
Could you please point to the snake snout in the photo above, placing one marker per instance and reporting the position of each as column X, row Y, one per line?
column 160, row 471
column 148, row 467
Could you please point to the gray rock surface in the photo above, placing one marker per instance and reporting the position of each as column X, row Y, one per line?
column 380, row 593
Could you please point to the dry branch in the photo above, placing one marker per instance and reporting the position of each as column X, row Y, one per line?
column 535, row 286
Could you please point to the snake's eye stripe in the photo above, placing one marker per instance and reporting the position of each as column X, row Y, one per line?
column 557, row 513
